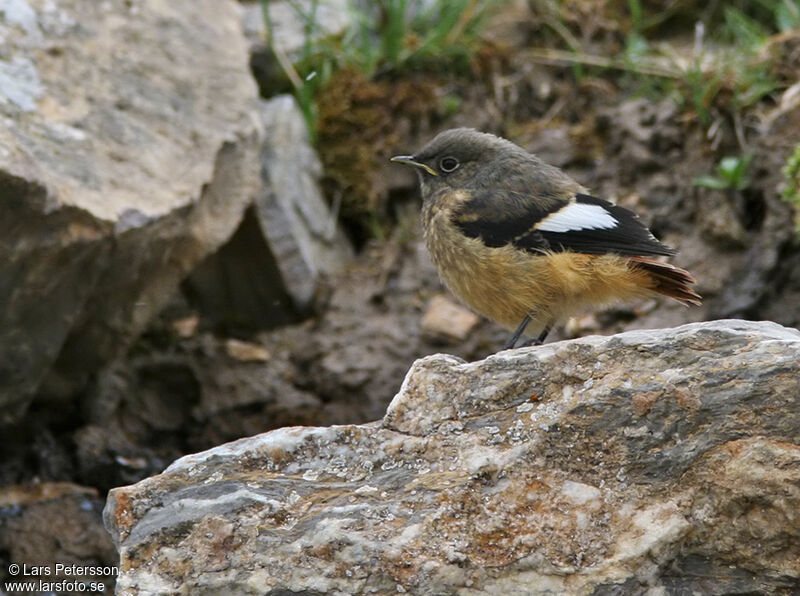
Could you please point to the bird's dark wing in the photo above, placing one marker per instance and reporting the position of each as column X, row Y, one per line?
column 501, row 217
column 582, row 223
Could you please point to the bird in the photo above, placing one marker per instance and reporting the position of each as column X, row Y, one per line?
column 523, row 244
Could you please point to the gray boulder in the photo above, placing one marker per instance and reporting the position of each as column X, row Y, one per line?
column 664, row 460
column 128, row 152
column 303, row 233
column 270, row 272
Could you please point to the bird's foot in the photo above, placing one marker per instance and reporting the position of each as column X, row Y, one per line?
column 534, row 341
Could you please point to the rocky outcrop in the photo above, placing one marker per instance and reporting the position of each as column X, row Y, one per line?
column 120, row 169
column 270, row 271
column 665, row 459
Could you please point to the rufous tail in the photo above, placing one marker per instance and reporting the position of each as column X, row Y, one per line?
column 669, row 280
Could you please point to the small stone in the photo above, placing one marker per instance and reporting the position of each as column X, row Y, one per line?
column 186, row 327
column 581, row 326
column 448, row 321
column 135, row 463
column 245, row 351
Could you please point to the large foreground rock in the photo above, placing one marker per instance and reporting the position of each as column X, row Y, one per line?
column 128, row 152
column 667, row 459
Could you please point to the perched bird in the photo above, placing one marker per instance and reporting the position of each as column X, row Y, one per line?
column 523, row 244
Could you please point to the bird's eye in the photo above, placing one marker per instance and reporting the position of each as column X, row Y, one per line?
column 448, row 164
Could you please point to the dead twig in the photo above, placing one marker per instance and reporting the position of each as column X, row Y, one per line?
column 555, row 57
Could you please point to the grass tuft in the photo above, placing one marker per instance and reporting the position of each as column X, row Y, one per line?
column 387, row 37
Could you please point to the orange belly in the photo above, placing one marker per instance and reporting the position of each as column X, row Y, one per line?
column 505, row 284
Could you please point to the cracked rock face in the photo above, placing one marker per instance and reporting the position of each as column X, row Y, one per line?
column 608, row 465
column 128, row 152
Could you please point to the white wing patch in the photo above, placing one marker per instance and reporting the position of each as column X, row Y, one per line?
column 578, row 216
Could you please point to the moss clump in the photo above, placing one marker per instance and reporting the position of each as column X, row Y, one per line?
column 358, row 128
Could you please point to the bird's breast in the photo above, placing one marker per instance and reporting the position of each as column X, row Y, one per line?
column 502, row 283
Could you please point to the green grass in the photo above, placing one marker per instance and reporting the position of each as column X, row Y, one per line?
column 405, row 35
column 305, row 81
column 722, row 74
column 775, row 15
column 387, row 37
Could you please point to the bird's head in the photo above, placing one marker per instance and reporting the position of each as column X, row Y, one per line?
column 465, row 158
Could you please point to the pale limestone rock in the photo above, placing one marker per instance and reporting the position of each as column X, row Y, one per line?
column 128, row 151
column 664, row 460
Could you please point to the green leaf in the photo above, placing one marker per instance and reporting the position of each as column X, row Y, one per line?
column 708, row 181
column 734, row 171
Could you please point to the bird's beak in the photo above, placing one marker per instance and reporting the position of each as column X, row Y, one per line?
column 410, row 161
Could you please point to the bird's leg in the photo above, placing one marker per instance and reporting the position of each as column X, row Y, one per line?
column 538, row 341
column 520, row 330
column 545, row 332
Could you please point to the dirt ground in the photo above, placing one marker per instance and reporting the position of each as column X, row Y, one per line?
column 183, row 388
